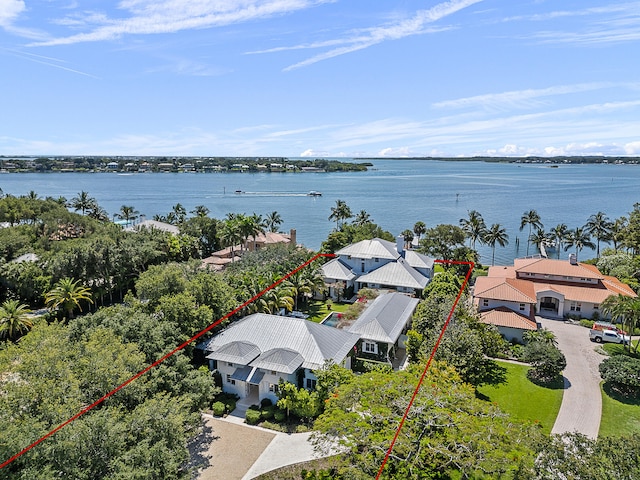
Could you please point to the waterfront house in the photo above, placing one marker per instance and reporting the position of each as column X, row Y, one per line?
column 382, row 327
column 378, row 264
column 546, row 287
column 256, row 352
column 152, row 225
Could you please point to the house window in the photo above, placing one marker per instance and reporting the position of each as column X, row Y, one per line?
column 485, row 302
column 596, row 306
column 377, row 260
column 362, row 267
column 575, row 306
column 273, row 387
column 273, row 372
column 229, row 364
column 522, row 307
column 230, row 380
column 370, row 347
column 311, row 384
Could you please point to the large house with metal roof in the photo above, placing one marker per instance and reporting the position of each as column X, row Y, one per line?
column 510, row 296
column 379, row 264
column 255, row 353
column 382, row 327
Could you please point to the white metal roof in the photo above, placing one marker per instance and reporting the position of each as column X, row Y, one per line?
column 384, row 319
column 397, row 274
column 375, row 248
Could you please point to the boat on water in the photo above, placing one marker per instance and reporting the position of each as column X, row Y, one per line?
column 313, row 193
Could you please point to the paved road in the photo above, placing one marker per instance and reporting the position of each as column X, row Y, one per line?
column 581, row 407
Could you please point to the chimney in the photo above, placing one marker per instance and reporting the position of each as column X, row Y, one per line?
column 292, row 237
column 573, row 260
column 400, row 244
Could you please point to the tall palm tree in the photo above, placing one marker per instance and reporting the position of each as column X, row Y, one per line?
column 495, row 234
column 578, row 238
column 128, row 213
column 273, row 221
column 419, row 228
column 558, row 235
column 601, row 228
column 250, row 226
column 532, row 219
column 538, row 238
column 618, row 228
column 362, row 218
column 180, row 212
column 82, row 202
column 624, row 309
column 473, row 227
column 407, row 235
column 230, row 234
column 200, row 211
column 340, row 213
column 67, row 294
column 14, row 320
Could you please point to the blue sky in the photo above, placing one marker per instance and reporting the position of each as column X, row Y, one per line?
column 320, row 77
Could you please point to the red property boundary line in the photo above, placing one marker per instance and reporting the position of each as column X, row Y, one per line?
column 433, row 352
column 158, row 362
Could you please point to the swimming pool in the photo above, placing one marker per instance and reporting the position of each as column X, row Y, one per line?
column 332, row 319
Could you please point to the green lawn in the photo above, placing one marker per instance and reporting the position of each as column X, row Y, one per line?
column 318, row 310
column 525, row 400
column 620, row 416
column 619, row 349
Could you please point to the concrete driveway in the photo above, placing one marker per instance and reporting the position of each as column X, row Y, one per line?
column 581, row 407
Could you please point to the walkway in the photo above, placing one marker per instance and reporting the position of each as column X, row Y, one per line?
column 237, row 451
column 581, row 407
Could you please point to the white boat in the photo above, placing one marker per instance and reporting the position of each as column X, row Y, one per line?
column 313, row 193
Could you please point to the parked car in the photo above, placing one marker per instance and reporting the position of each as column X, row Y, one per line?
column 609, row 336
column 607, row 326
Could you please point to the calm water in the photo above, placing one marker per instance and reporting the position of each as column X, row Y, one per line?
column 396, row 193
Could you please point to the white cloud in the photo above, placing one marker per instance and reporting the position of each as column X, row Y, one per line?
column 396, row 152
column 169, row 16
column 314, row 153
column 415, row 25
column 521, row 98
column 9, row 11
column 632, row 148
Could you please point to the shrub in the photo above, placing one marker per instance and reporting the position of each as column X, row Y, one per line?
column 252, row 417
column 587, row 323
column 266, row 402
column 268, row 412
column 622, row 373
column 279, row 415
column 218, row 409
column 546, row 360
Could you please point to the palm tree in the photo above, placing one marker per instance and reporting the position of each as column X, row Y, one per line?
column 250, row 226
column 538, row 238
column 362, row 218
column 407, row 235
column 340, row 213
column 98, row 213
column 578, row 238
column 273, row 221
column 532, row 219
column 127, row 213
column 419, row 228
column 601, row 228
column 67, row 294
column 493, row 235
column 558, row 235
column 180, row 212
column 624, row 309
column 230, row 234
column 82, row 202
column 200, row 211
column 473, row 227
column 618, row 229
column 14, row 320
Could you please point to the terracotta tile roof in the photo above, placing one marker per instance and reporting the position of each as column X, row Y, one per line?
column 503, row 317
column 507, row 289
column 576, row 293
column 547, row 266
column 616, row 286
column 500, row 271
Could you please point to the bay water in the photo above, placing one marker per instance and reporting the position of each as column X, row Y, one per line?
column 396, row 193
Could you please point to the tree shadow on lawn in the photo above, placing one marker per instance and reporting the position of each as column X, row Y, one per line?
column 559, row 383
column 626, row 399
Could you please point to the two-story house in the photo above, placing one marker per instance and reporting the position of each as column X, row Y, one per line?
column 379, row 264
column 511, row 296
column 256, row 352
